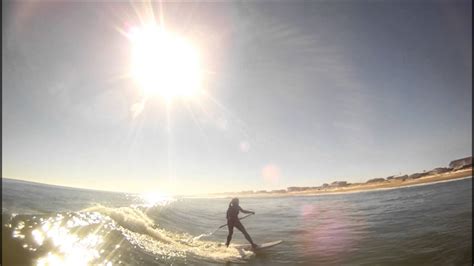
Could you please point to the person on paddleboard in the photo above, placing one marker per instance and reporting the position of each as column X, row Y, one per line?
column 233, row 221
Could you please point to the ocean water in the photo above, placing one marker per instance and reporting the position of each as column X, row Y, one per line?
column 422, row 225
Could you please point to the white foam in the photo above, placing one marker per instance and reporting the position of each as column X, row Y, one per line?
column 140, row 230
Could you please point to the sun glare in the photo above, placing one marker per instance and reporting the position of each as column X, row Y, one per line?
column 163, row 63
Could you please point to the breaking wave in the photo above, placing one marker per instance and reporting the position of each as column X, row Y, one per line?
column 103, row 235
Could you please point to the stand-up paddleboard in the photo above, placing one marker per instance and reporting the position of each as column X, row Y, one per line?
column 259, row 246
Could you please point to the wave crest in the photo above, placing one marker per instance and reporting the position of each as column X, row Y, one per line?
column 141, row 230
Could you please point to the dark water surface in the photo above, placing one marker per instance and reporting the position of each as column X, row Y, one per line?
column 420, row 225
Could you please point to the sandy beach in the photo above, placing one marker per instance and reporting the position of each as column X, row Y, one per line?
column 360, row 187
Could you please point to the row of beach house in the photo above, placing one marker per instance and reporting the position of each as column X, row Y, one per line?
column 453, row 166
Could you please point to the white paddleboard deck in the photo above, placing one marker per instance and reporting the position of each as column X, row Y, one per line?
column 259, row 246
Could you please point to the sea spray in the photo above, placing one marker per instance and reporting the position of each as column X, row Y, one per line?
column 202, row 235
column 142, row 231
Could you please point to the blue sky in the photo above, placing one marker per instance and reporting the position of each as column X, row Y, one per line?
column 297, row 93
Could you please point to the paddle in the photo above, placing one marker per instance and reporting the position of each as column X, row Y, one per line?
column 208, row 234
column 243, row 217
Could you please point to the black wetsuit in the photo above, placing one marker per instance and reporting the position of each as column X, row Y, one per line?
column 233, row 221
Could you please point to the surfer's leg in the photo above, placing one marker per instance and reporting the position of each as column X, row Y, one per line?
column 247, row 236
column 230, row 226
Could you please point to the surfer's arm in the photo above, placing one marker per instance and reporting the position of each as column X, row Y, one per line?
column 245, row 211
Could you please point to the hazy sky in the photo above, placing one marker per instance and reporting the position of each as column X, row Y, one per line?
column 297, row 93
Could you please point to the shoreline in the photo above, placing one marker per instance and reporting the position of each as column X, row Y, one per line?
column 365, row 187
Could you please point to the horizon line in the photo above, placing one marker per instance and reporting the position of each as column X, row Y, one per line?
column 195, row 194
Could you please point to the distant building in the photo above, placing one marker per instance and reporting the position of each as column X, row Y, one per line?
column 293, row 189
column 279, row 191
column 401, row 177
column 339, row 184
column 417, row 175
column 461, row 163
column 439, row 170
column 375, row 180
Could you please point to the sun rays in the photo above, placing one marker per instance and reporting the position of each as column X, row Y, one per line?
column 168, row 72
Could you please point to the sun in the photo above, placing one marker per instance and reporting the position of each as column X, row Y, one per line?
column 163, row 63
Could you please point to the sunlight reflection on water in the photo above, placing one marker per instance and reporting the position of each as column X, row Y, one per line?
column 67, row 246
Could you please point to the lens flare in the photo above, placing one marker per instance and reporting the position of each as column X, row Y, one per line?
column 271, row 173
column 329, row 231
